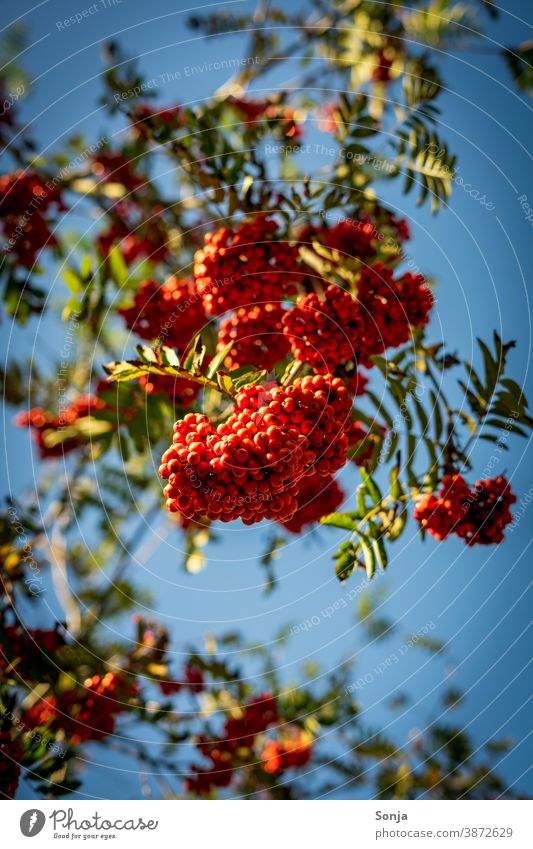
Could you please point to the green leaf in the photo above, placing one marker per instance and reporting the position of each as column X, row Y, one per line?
column 371, row 486
column 346, row 521
column 368, row 554
column 86, row 269
column 380, row 552
column 225, row 382
column 425, row 161
column 88, row 427
column 133, row 369
column 247, row 184
column 436, row 416
column 169, row 357
column 73, row 281
column 247, row 377
column 492, row 367
column 397, row 526
column 346, row 561
column 396, row 488
column 117, row 267
column 218, row 360
column 146, row 354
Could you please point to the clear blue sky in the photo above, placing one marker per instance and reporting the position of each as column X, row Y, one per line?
column 481, row 259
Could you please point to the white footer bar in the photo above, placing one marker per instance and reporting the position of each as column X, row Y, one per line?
column 268, row 825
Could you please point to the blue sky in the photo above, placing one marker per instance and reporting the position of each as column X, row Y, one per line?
column 481, row 260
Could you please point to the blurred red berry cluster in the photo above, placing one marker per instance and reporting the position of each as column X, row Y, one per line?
column 11, row 754
column 43, row 422
column 233, row 747
column 23, row 650
column 86, row 712
column 292, row 749
column 26, row 203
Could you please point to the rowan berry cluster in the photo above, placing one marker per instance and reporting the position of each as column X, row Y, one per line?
column 87, row 712
column 285, row 120
column 384, row 62
column 111, row 167
column 250, row 465
column 317, row 496
column 337, row 328
column 234, row 747
column 244, row 266
column 257, row 336
column 293, row 749
column 43, row 423
column 193, row 680
column 23, row 650
column 181, row 391
column 359, row 238
column 479, row 516
column 145, row 118
column 171, row 312
column 11, row 754
column 136, row 239
column 25, row 202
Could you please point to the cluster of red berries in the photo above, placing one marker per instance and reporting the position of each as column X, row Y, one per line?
column 356, row 238
column 338, row 328
column 250, row 465
column 415, row 298
column 359, row 238
column 478, row 516
column 257, row 336
column 115, row 167
column 43, row 422
column 284, row 119
column 193, row 680
column 86, row 713
column 181, row 391
column 293, row 750
column 25, row 200
column 232, row 749
column 244, row 266
column 317, row 496
column 11, row 754
column 324, row 332
column 23, row 650
column 136, row 240
column 144, row 117
column 317, row 406
column 171, row 312
column 384, row 63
